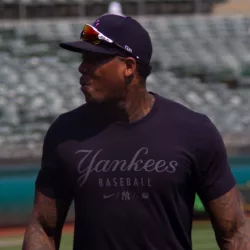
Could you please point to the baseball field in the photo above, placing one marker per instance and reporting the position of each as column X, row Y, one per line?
column 203, row 238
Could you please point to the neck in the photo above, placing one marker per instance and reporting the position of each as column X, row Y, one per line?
column 136, row 104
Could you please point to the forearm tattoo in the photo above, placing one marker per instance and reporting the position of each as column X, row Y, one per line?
column 44, row 230
column 230, row 222
column 36, row 239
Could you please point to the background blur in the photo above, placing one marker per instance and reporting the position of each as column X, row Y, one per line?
column 201, row 59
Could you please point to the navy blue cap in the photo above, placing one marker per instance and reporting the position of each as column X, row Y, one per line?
column 124, row 31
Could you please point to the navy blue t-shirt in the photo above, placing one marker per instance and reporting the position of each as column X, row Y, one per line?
column 134, row 184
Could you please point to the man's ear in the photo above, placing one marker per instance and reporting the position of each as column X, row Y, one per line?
column 130, row 66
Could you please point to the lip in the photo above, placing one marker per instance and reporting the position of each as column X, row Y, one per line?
column 84, row 88
column 84, row 81
column 85, row 84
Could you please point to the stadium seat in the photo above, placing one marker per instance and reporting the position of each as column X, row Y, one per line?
column 192, row 58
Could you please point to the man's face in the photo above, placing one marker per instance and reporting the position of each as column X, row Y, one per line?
column 102, row 77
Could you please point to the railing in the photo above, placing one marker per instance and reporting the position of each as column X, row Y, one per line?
column 20, row 10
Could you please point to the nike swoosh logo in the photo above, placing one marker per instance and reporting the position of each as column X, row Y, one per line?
column 108, row 196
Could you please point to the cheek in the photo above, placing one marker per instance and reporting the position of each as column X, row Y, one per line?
column 111, row 79
column 117, row 76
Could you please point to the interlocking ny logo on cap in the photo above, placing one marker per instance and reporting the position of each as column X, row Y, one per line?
column 97, row 23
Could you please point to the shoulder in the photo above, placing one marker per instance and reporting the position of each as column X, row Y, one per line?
column 67, row 122
column 177, row 112
column 73, row 117
column 78, row 113
column 196, row 126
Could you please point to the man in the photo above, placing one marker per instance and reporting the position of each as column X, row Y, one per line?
column 130, row 159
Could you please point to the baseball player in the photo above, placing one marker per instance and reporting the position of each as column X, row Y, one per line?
column 131, row 160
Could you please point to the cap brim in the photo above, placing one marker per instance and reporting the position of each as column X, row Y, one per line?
column 82, row 46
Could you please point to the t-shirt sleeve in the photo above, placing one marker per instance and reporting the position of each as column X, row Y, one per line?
column 214, row 174
column 51, row 180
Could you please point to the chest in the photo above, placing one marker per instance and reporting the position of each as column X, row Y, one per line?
column 125, row 164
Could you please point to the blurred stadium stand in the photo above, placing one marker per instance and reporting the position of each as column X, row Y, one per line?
column 14, row 9
column 200, row 61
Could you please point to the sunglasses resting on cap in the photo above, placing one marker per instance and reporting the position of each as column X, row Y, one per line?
column 114, row 35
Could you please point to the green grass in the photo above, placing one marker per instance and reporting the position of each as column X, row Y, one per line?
column 202, row 235
column 10, row 248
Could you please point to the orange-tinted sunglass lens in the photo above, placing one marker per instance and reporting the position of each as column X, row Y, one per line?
column 89, row 34
column 89, row 30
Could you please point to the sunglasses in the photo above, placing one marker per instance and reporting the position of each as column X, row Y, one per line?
column 92, row 35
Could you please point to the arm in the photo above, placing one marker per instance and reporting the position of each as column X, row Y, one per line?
column 229, row 221
column 44, row 229
column 217, row 189
column 53, row 196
